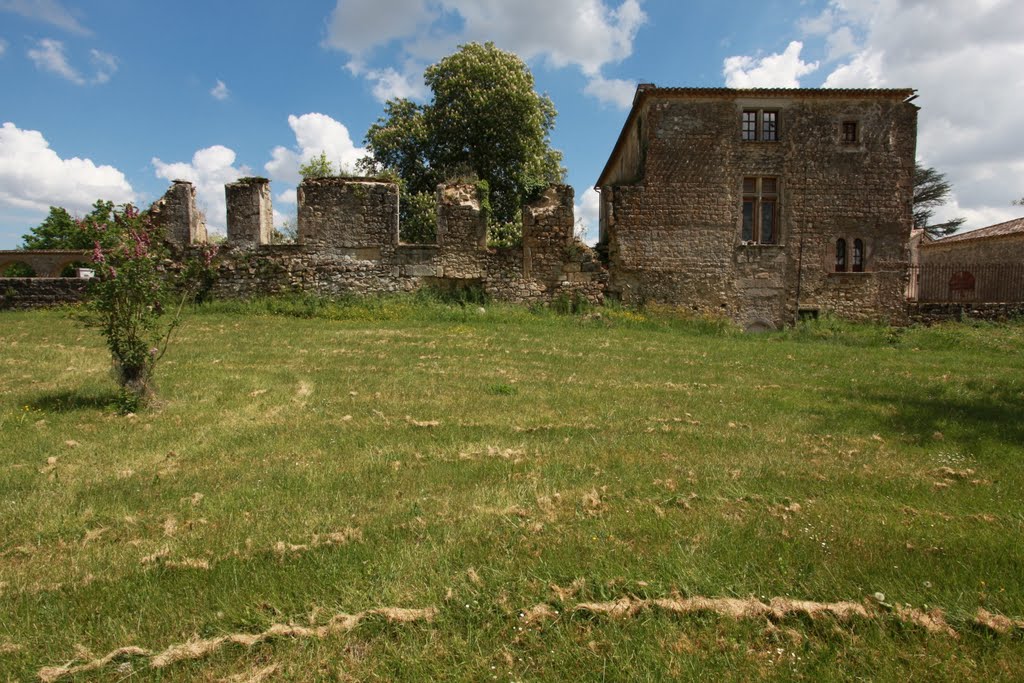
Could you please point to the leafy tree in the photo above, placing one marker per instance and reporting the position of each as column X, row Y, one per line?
column 931, row 190
column 317, row 167
column 485, row 121
column 61, row 231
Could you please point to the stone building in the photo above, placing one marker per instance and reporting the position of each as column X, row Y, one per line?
column 985, row 265
column 762, row 205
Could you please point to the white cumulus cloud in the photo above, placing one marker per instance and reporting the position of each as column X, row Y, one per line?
column 314, row 133
column 613, row 91
column 588, row 215
column 964, row 60
column 34, row 177
column 774, row 71
column 220, row 91
column 587, row 34
column 209, row 170
column 3, row 47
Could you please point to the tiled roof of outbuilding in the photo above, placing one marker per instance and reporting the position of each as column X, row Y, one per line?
column 1014, row 227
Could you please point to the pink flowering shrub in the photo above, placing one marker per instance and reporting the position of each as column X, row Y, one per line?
column 135, row 300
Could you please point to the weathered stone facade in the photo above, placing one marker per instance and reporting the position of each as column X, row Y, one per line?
column 695, row 215
column 348, row 243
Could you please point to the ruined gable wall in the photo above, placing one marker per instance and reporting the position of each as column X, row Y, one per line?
column 674, row 236
column 176, row 212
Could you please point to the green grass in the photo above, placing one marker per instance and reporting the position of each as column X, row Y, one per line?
column 485, row 455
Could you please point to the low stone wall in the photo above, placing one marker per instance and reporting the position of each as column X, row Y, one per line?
column 39, row 292
column 929, row 313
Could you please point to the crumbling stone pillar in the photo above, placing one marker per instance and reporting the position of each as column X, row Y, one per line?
column 548, row 225
column 176, row 213
column 348, row 213
column 461, row 226
column 250, row 211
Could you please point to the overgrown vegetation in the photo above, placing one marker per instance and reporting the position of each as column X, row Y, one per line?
column 506, row 474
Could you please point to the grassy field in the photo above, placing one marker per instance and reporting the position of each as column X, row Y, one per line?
column 402, row 490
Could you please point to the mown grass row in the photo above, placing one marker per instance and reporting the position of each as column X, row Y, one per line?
column 469, row 457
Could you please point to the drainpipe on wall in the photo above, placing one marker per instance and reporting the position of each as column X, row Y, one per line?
column 799, row 277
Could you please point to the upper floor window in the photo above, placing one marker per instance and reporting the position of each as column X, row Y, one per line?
column 760, row 210
column 858, row 256
column 760, row 124
column 851, row 133
column 840, row 255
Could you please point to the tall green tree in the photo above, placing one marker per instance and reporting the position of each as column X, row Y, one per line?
column 932, row 190
column 60, row 231
column 485, row 120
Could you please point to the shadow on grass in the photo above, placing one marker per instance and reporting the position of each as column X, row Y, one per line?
column 983, row 415
column 72, row 401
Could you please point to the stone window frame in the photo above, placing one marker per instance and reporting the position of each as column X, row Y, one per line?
column 757, row 196
column 758, row 130
column 848, row 254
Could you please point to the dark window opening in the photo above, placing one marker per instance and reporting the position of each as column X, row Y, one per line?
column 760, row 210
column 840, row 255
column 850, row 136
column 858, row 256
column 760, row 124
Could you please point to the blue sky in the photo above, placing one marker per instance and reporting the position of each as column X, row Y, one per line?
column 114, row 98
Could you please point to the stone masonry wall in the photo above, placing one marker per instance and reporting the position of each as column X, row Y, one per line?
column 674, row 234
column 349, row 244
column 250, row 211
column 1008, row 249
column 39, row 292
column 176, row 212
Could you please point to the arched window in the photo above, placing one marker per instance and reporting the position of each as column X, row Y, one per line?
column 840, row 255
column 858, row 256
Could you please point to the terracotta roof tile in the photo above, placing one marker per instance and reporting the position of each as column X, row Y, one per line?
column 1014, row 227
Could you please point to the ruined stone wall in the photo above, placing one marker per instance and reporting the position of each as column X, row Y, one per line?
column 39, row 292
column 176, row 213
column 674, row 236
column 349, row 244
column 250, row 211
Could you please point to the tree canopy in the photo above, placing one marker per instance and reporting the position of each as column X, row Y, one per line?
column 485, row 121
column 60, row 231
column 932, row 190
